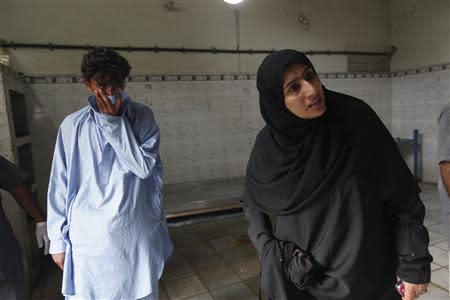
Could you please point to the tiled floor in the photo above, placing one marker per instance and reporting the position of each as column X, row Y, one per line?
column 215, row 260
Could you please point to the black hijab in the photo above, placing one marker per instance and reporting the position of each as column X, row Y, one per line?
column 296, row 163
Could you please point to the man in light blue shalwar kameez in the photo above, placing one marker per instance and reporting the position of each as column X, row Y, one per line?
column 106, row 221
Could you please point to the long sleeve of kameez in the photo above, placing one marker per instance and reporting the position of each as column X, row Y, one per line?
column 57, row 197
column 411, row 240
column 136, row 148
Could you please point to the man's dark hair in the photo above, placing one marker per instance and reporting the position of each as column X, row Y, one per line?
column 108, row 67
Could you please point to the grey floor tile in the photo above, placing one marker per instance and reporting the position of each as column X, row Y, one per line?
column 253, row 284
column 252, row 249
column 440, row 278
column 200, row 249
column 436, row 238
column 184, row 288
column 207, row 263
column 440, row 257
column 429, row 222
column 239, row 233
column 435, row 293
column 175, row 258
column 237, row 254
column 199, row 227
column 432, row 192
column 428, row 188
column 177, row 271
column 247, row 269
column 223, row 243
column 230, row 222
column 238, row 291
column 180, row 230
column 187, row 238
column 163, row 295
column 443, row 245
column 236, row 227
column 439, row 228
column 435, row 267
column 206, row 296
column 218, row 278
column 434, row 215
column 210, row 230
column 244, row 239
column 431, row 203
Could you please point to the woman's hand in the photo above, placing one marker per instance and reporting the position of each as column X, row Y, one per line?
column 299, row 269
column 59, row 258
column 413, row 291
column 297, row 266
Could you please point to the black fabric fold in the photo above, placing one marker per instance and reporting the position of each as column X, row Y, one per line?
column 285, row 271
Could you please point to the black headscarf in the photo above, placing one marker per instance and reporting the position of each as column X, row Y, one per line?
column 296, row 163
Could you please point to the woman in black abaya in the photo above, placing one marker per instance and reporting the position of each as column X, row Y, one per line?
column 349, row 220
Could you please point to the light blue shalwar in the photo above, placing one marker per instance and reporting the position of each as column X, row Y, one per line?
column 105, row 203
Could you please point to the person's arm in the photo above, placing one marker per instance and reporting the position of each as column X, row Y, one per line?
column 444, row 168
column 56, row 202
column 259, row 229
column 444, row 148
column 23, row 196
column 15, row 181
column 283, row 264
column 411, row 241
column 137, row 149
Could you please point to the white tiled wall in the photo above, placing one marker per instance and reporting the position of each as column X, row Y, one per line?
column 376, row 91
column 208, row 125
column 417, row 100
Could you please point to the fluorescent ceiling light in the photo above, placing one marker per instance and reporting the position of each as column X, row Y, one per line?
column 233, row 1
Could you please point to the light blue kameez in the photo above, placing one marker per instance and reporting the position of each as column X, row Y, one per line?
column 105, row 204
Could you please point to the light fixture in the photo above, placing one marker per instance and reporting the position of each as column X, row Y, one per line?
column 301, row 18
column 170, row 6
column 304, row 22
column 233, row 1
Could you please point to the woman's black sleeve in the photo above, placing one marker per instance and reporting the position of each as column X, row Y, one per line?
column 411, row 240
column 259, row 229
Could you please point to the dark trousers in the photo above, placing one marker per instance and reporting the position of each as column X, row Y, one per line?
column 12, row 285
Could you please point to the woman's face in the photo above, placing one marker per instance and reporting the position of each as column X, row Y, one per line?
column 303, row 92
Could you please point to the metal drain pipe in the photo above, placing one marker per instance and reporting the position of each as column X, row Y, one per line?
column 184, row 50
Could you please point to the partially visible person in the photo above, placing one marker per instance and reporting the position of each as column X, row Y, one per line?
column 106, row 219
column 444, row 168
column 16, row 182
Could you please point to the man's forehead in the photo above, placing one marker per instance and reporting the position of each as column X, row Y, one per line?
column 94, row 80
